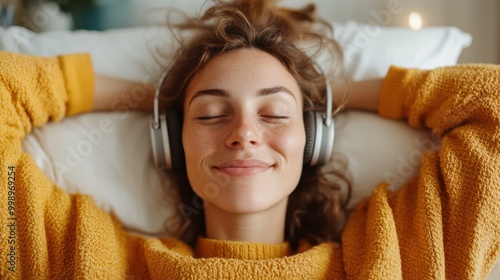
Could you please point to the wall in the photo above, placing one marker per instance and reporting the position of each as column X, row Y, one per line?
column 479, row 18
column 482, row 20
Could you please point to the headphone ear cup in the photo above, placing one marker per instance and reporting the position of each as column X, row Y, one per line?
column 174, row 124
column 310, row 127
column 327, row 141
column 319, row 139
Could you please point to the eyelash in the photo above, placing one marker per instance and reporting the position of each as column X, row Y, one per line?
column 206, row 118
column 276, row 117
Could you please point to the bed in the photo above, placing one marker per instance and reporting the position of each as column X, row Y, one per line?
column 83, row 153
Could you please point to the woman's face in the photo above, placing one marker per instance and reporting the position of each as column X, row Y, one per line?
column 243, row 132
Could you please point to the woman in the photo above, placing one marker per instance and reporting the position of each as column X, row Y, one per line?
column 242, row 110
column 252, row 47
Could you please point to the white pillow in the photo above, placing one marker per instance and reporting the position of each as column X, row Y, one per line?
column 369, row 49
column 108, row 155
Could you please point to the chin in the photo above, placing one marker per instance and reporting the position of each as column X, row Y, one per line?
column 244, row 194
column 247, row 203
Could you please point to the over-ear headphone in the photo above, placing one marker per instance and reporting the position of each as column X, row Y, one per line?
column 166, row 134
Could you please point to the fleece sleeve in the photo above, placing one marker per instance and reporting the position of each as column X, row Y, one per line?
column 444, row 223
column 33, row 91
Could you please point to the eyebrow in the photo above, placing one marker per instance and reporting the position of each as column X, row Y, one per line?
column 224, row 93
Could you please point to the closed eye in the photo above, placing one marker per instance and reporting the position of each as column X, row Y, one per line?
column 222, row 116
column 275, row 117
column 210, row 117
column 206, row 118
column 211, row 120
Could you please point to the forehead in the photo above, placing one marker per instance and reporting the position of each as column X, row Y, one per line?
column 243, row 70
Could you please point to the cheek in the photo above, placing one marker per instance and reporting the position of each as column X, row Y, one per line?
column 197, row 142
column 198, row 145
column 292, row 150
column 291, row 144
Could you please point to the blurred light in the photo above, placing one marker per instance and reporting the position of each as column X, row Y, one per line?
column 415, row 20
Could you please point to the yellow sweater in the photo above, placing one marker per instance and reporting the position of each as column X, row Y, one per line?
column 445, row 223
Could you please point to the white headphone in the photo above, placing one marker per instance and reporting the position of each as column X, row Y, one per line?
column 166, row 134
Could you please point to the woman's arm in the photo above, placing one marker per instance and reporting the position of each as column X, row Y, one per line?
column 113, row 94
column 445, row 222
column 33, row 91
column 361, row 95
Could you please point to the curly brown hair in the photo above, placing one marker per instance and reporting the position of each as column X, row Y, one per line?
column 296, row 37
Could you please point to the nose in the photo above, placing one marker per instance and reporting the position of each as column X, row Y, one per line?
column 244, row 133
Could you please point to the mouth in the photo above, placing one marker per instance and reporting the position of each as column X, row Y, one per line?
column 243, row 167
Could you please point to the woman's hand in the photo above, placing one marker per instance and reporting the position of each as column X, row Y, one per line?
column 117, row 94
column 361, row 95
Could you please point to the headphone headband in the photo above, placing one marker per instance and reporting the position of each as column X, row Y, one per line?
column 329, row 105
column 329, row 99
column 156, row 114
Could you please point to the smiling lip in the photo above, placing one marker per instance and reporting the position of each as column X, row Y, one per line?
column 244, row 167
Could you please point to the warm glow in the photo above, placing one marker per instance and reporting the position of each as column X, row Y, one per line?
column 415, row 20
